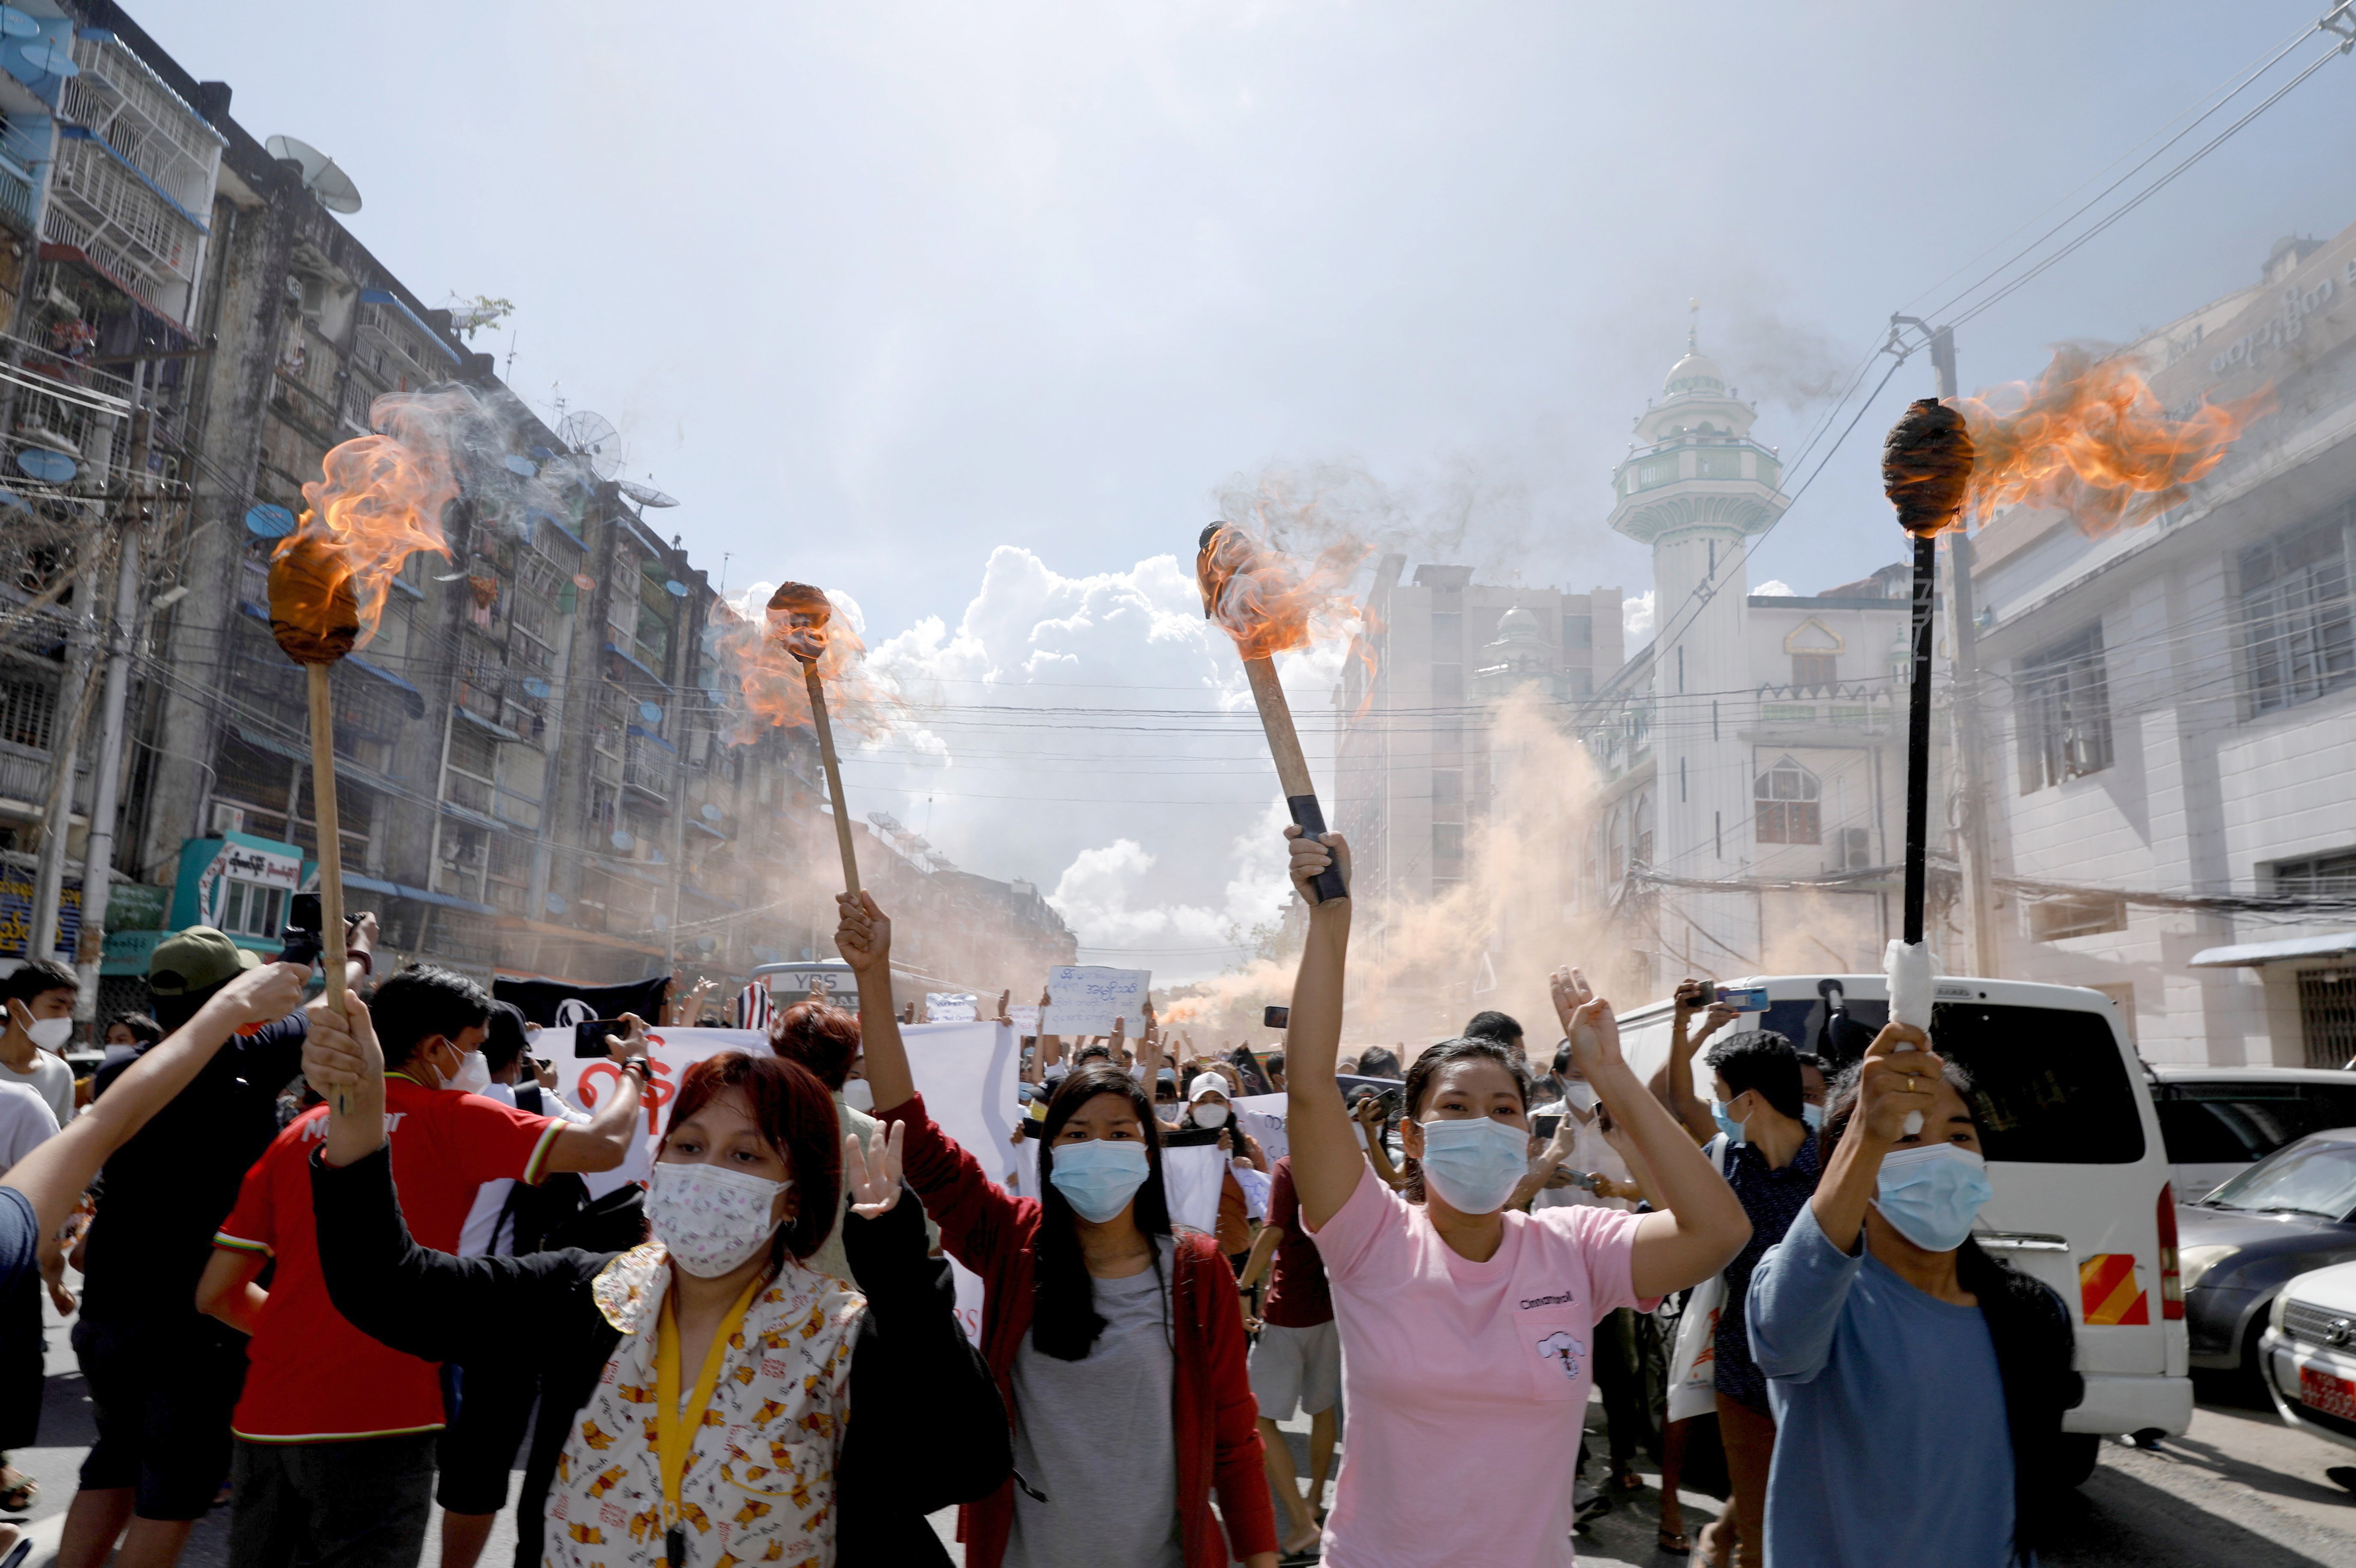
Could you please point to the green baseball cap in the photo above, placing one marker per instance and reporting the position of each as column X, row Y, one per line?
column 196, row 959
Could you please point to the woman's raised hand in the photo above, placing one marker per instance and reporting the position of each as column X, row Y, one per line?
column 1311, row 855
column 872, row 1176
column 1587, row 1022
column 862, row 933
column 1900, row 1077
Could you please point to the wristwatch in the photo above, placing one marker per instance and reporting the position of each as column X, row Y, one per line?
column 644, row 1075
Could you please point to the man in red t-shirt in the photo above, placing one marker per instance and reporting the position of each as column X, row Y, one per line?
column 1297, row 1357
column 335, row 1432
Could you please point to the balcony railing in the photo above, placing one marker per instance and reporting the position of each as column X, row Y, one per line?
column 26, row 775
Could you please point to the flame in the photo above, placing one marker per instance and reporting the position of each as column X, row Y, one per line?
column 378, row 500
column 2091, row 438
column 764, row 657
column 1269, row 602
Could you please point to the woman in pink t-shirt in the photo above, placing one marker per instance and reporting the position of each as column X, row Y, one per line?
column 1465, row 1325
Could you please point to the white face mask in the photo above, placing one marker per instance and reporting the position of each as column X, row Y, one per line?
column 1209, row 1113
column 709, row 1219
column 50, row 1034
column 474, row 1075
column 1580, row 1095
column 858, row 1096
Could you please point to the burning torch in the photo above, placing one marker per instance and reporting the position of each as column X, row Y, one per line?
column 798, row 618
column 1255, row 595
column 2089, row 438
column 378, row 499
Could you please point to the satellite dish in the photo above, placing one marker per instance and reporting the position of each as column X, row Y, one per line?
column 646, row 495
column 556, row 902
column 16, row 24
column 711, row 813
column 650, row 711
column 269, row 522
column 534, row 687
column 49, row 467
column 45, row 58
column 10, row 498
column 321, row 178
column 592, row 435
column 675, row 588
column 522, row 467
column 621, row 839
column 583, row 582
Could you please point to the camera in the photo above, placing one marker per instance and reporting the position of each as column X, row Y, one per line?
column 1276, row 1018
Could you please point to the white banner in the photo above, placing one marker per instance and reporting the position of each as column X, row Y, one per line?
column 1026, row 1018
column 586, row 1080
column 1085, row 998
column 951, row 1007
column 1190, row 1180
column 1262, row 1115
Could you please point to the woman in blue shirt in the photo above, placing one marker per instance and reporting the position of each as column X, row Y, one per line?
column 1917, row 1384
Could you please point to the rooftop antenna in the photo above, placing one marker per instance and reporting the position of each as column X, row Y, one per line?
column 725, row 556
column 592, row 437
column 510, row 377
column 321, row 178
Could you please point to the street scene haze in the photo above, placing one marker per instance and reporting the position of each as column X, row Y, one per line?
column 1261, row 781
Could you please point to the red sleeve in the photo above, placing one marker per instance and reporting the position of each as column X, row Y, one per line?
column 251, row 1225
column 1238, row 1470
column 982, row 1224
column 494, row 1141
column 1283, row 1205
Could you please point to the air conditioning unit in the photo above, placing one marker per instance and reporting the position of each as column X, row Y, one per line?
column 1857, row 848
column 228, row 819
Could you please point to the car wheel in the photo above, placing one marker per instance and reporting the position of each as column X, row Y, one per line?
column 2074, row 1458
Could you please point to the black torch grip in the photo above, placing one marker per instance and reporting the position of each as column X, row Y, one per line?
column 1328, row 884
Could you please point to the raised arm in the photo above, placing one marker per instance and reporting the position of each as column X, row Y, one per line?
column 1700, row 1225
column 1689, row 1109
column 53, row 1175
column 603, row 1142
column 1326, row 1164
column 1887, row 1094
column 862, row 935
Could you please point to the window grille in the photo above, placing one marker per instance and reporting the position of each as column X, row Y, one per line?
column 1786, row 804
column 2297, row 636
column 2065, row 712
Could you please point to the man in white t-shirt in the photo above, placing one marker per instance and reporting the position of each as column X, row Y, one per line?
column 40, row 1000
column 26, row 1122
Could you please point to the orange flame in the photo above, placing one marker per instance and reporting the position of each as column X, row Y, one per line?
column 2091, row 438
column 761, row 657
column 378, row 501
column 1269, row 602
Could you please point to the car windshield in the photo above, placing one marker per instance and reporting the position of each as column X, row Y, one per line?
column 2311, row 1179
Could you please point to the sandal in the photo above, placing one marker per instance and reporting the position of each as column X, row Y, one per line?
column 17, row 1496
column 1627, row 1481
column 1672, row 1541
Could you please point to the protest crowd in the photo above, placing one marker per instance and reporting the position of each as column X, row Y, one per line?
column 344, row 1266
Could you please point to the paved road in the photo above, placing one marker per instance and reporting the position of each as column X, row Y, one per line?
column 2239, row 1487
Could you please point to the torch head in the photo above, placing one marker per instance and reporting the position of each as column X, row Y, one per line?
column 1219, row 554
column 314, row 611
column 1927, row 466
column 798, row 617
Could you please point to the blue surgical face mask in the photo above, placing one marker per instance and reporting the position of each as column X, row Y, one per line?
column 1474, row 1162
column 1932, row 1194
column 1099, row 1177
column 1815, row 1117
column 1726, row 1123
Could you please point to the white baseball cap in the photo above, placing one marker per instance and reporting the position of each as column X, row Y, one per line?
column 1204, row 1085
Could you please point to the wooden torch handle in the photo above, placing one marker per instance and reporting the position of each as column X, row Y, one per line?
column 833, row 777
column 331, row 844
column 1291, row 767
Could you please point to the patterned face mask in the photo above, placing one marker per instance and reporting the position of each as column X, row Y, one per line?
column 710, row 1218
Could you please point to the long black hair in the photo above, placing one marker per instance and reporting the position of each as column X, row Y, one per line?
column 1426, row 1067
column 2036, row 1347
column 1064, row 1322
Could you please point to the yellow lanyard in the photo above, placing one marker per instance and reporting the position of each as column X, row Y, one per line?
column 675, row 1429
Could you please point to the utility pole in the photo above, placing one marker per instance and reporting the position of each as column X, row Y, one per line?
column 1972, row 843
column 98, row 859
column 65, row 735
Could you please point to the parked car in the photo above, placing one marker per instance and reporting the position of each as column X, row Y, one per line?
column 2308, row 1353
column 2218, row 1121
column 2083, row 1199
column 2291, row 1212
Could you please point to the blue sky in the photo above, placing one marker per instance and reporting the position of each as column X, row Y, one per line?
column 878, row 289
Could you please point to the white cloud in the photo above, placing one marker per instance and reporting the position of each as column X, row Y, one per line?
column 1776, row 587
column 1637, row 617
column 1095, row 735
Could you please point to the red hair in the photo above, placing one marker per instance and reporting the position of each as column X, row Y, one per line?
column 821, row 1036
column 796, row 1115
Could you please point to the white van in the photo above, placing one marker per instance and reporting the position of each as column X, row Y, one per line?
column 2074, row 1152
